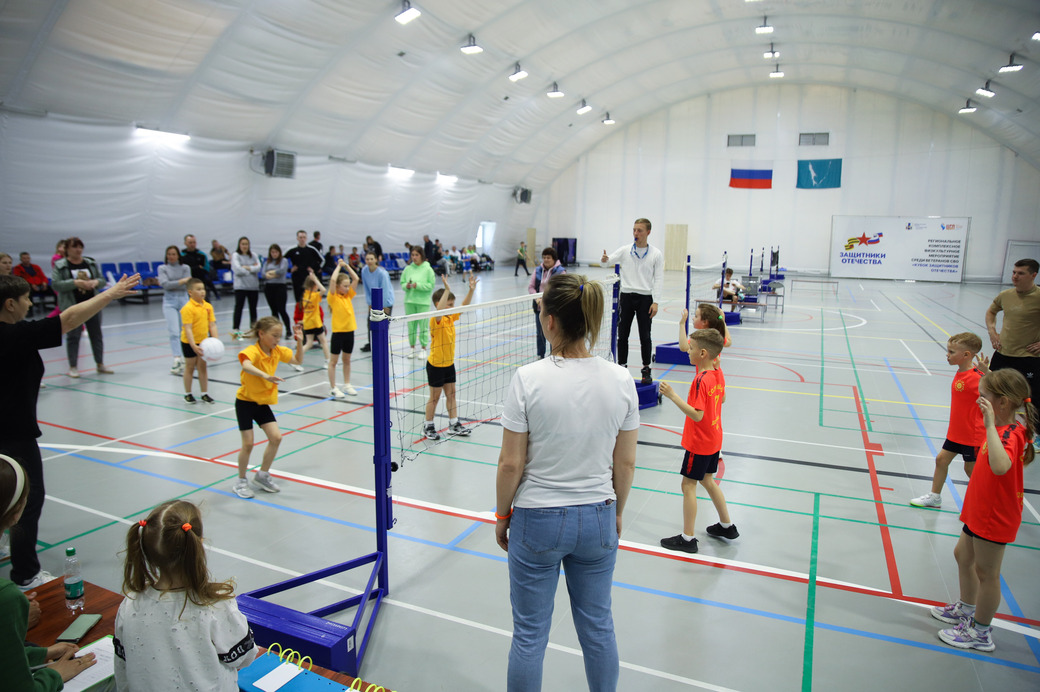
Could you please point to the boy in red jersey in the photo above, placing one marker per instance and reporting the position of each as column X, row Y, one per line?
column 702, row 440
column 965, row 432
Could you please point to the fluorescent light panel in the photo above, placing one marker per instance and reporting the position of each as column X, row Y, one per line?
column 471, row 47
column 407, row 13
column 160, row 135
column 396, row 172
column 772, row 53
column 608, row 120
column 777, row 73
column 985, row 91
column 584, row 108
column 555, row 92
column 1012, row 66
column 968, row 108
column 765, row 28
column 518, row 73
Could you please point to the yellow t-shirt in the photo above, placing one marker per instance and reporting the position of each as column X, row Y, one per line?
column 199, row 316
column 442, row 340
column 342, row 308
column 257, row 389
column 312, row 310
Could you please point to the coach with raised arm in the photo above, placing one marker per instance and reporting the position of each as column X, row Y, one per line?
column 642, row 278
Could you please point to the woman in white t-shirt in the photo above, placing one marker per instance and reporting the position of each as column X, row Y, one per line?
column 568, row 457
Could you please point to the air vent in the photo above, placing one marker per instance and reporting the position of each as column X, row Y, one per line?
column 522, row 195
column 280, row 164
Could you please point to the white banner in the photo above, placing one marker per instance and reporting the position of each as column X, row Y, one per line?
column 926, row 248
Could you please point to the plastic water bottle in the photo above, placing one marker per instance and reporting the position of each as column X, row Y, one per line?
column 73, row 582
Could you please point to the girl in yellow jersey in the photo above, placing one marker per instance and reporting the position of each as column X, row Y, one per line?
column 254, row 398
column 313, row 322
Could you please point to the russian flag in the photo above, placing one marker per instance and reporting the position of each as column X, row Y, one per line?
column 751, row 175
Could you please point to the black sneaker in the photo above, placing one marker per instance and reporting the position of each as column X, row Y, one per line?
column 189, row 399
column 717, row 531
column 366, row 348
column 647, row 377
column 207, row 399
column 679, row 543
column 431, row 433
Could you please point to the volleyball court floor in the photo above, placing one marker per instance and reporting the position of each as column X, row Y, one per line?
column 834, row 411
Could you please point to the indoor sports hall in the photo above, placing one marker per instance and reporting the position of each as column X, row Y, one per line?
column 833, row 415
column 869, row 171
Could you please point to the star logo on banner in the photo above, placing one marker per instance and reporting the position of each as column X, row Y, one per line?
column 863, row 239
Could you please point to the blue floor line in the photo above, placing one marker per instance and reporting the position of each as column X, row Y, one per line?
column 623, row 585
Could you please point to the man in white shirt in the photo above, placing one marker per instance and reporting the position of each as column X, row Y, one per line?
column 642, row 278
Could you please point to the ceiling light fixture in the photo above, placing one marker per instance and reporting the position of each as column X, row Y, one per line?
column 771, row 54
column 518, row 73
column 1036, row 36
column 555, row 92
column 608, row 120
column 765, row 28
column 1012, row 66
column 161, row 135
column 986, row 91
column 400, row 173
column 585, row 108
column 777, row 73
column 968, row 108
column 471, row 47
column 407, row 13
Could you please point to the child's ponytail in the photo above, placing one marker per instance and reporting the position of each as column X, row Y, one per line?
column 1031, row 423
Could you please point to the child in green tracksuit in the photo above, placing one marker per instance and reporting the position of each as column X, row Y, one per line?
column 418, row 282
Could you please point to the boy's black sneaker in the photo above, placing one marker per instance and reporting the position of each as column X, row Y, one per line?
column 189, row 399
column 366, row 348
column 647, row 377
column 679, row 543
column 207, row 399
column 717, row 531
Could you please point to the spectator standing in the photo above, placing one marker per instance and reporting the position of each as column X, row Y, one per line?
column 521, row 259
column 20, row 343
column 275, row 274
column 549, row 267
column 316, row 243
column 246, row 269
column 173, row 277
column 304, row 259
column 371, row 244
column 197, row 261
column 1017, row 345
column 374, row 276
column 76, row 280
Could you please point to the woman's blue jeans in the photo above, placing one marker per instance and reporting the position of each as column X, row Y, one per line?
column 584, row 540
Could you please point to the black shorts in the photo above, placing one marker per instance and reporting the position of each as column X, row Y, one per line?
column 966, row 451
column 187, row 351
column 971, row 533
column 341, row 341
column 314, row 332
column 695, row 466
column 249, row 411
column 438, row 377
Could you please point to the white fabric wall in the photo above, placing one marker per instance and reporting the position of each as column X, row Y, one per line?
column 128, row 197
column 898, row 159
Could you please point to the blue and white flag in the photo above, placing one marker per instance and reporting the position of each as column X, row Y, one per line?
column 817, row 174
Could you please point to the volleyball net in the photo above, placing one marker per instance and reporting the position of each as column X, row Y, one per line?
column 492, row 340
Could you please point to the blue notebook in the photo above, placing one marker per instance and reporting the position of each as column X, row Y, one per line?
column 305, row 681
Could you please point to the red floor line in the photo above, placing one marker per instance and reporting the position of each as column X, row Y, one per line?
column 460, row 515
column 873, row 449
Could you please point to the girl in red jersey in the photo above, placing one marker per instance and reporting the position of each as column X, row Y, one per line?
column 992, row 509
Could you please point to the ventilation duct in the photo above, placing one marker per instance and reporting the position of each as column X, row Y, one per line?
column 280, row 164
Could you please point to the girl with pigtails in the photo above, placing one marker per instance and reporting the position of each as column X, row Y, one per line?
column 176, row 629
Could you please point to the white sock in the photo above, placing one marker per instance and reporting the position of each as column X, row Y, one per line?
column 453, row 421
column 687, row 538
column 429, row 424
column 725, row 525
column 203, row 393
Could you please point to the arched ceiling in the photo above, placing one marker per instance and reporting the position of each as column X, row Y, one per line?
column 341, row 77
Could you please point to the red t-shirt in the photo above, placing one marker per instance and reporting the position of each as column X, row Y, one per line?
column 965, row 417
column 993, row 504
column 706, row 392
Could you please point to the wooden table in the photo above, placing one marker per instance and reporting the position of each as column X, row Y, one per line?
column 100, row 601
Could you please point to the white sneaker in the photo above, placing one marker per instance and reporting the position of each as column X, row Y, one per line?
column 325, row 363
column 296, row 367
column 177, row 370
column 241, row 488
column 411, row 354
column 73, row 373
column 927, row 500
column 422, row 353
column 335, row 392
column 349, row 390
column 263, row 480
column 41, row 578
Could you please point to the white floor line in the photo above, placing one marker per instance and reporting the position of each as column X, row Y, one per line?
column 799, row 442
column 915, row 357
column 409, row 606
column 1032, row 510
column 875, row 305
column 816, row 365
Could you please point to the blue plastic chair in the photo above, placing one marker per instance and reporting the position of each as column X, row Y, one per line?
column 144, row 269
column 109, row 268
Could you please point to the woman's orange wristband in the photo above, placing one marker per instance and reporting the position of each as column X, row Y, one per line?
column 500, row 517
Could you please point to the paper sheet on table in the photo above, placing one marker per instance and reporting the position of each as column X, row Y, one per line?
column 273, row 681
column 103, row 668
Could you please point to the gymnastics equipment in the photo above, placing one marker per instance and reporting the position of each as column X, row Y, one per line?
column 212, row 349
column 331, row 644
column 492, row 339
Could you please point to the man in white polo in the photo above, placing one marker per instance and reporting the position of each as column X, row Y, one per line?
column 642, row 282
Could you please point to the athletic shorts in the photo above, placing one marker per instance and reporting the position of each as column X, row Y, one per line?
column 341, row 342
column 249, row 411
column 695, row 466
column 314, row 332
column 187, row 351
column 966, row 451
column 971, row 533
column 438, row 377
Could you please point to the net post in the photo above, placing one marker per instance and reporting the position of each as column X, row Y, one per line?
column 722, row 279
column 381, row 435
column 614, row 312
column 686, row 325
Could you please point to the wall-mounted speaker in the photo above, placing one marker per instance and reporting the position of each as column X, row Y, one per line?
column 280, row 164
